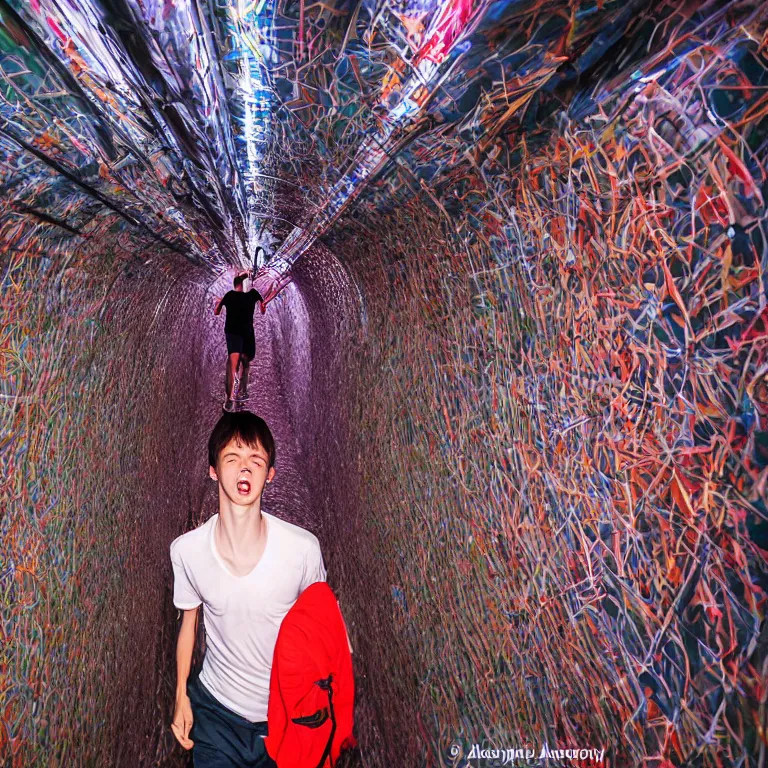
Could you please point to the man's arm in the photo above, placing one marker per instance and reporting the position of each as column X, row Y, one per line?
column 314, row 567
column 258, row 300
column 182, row 718
column 219, row 304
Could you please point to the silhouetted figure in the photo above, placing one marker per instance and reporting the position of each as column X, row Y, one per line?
column 241, row 342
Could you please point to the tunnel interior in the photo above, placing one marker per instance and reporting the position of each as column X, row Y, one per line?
column 515, row 357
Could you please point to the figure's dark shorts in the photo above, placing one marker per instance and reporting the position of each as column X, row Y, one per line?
column 222, row 738
column 245, row 345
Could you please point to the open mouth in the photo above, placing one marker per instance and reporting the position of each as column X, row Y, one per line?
column 243, row 486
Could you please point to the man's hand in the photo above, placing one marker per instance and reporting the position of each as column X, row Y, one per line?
column 182, row 721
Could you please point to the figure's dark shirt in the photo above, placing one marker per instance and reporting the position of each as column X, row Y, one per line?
column 240, row 306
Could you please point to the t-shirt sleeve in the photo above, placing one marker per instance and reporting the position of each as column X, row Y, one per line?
column 255, row 296
column 184, row 595
column 314, row 569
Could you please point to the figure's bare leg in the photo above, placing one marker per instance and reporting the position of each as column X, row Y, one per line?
column 232, row 365
column 244, row 376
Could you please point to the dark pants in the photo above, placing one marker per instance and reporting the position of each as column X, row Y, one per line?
column 224, row 739
column 244, row 345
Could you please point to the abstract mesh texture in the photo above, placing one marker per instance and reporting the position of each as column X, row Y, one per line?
column 515, row 361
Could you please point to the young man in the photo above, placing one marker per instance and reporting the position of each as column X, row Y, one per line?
column 247, row 568
column 238, row 329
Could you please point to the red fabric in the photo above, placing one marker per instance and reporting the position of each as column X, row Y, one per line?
column 311, row 645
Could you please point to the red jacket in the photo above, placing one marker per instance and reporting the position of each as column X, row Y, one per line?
column 311, row 647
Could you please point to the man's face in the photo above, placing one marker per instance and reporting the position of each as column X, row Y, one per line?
column 242, row 472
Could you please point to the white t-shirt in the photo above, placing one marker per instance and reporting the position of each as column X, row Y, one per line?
column 243, row 614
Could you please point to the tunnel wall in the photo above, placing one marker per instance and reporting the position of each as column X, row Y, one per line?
column 555, row 463
column 95, row 482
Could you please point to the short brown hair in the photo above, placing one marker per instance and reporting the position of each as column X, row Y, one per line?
column 244, row 426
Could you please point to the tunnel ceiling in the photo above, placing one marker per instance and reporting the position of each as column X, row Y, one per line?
column 211, row 127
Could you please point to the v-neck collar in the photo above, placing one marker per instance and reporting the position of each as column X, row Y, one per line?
column 221, row 562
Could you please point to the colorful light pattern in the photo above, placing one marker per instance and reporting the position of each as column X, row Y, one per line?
column 525, row 409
